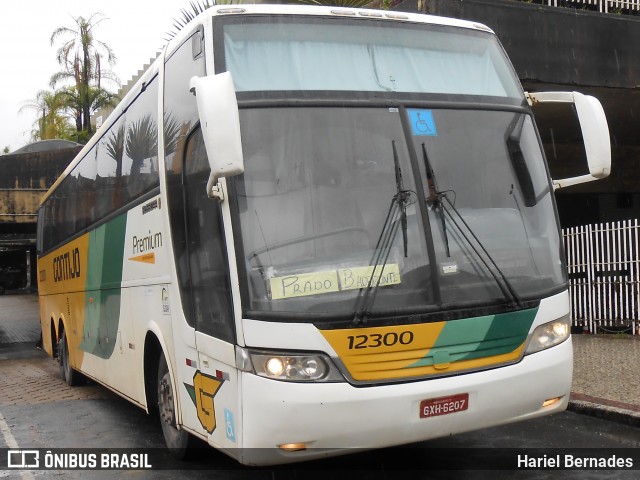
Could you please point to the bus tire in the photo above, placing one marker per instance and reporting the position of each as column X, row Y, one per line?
column 68, row 374
column 178, row 440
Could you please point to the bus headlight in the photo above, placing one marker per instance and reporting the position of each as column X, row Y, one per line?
column 294, row 367
column 549, row 335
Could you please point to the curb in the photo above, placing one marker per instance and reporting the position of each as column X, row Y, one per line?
column 605, row 412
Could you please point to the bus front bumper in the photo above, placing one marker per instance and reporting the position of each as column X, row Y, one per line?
column 287, row 422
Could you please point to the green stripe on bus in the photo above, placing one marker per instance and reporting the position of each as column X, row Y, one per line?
column 505, row 333
column 103, row 289
column 480, row 337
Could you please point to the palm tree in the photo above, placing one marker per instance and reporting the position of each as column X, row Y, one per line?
column 52, row 121
column 171, row 133
column 197, row 7
column 97, row 98
column 81, row 56
column 115, row 148
column 141, row 142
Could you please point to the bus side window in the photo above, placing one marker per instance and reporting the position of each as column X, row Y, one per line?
column 180, row 117
column 210, row 286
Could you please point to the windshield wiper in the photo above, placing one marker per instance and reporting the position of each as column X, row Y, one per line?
column 432, row 186
column 505, row 285
column 397, row 208
column 401, row 197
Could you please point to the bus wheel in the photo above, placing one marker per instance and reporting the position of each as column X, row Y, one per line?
column 68, row 374
column 177, row 440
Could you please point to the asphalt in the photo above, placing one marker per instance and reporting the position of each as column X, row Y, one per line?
column 606, row 381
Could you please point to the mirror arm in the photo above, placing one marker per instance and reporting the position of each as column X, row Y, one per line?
column 569, row 182
column 214, row 188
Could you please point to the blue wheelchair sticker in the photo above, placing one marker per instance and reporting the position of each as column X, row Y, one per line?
column 229, row 424
column 422, row 122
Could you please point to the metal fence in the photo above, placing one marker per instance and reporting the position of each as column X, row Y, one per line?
column 604, row 6
column 604, row 275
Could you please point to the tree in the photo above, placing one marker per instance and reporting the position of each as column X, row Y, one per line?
column 52, row 121
column 97, row 98
column 81, row 56
column 115, row 148
column 197, row 7
column 141, row 142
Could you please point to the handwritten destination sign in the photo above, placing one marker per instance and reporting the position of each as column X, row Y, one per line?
column 328, row 281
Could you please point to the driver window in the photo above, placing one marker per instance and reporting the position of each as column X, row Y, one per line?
column 207, row 275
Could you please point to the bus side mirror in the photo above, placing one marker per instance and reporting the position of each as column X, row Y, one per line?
column 220, row 124
column 595, row 133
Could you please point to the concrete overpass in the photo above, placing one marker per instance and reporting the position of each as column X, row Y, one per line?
column 26, row 175
column 582, row 49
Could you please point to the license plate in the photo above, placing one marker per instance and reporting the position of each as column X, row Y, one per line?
column 434, row 407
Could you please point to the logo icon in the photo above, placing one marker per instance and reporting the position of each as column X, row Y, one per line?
column 23, row 459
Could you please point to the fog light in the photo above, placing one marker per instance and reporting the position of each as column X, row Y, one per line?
column 551, row 401
column 293, row 447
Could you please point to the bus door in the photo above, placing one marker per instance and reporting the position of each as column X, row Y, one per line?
column 204, row 337
column 208, row 306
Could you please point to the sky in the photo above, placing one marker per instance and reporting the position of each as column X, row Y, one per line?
column 134, row 29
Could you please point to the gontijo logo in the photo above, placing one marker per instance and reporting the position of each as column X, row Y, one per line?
column 66, row 265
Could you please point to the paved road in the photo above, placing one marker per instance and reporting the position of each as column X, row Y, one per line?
column 19, row 318
column 38, row 410
column 101, row 420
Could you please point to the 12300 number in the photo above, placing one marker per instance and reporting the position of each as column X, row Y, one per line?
column 376, row 340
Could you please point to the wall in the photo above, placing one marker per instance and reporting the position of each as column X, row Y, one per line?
column 24, row 180
column 556, row 45
column 555, row 48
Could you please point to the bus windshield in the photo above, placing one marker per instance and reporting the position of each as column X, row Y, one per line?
column 293, row 54
column 330, row 204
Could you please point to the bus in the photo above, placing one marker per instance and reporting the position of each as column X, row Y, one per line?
column 312, row 229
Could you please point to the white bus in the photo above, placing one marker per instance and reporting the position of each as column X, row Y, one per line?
column 311, row 229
